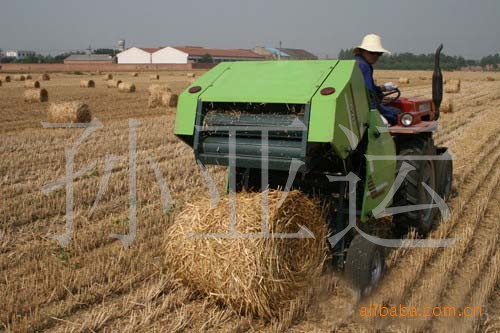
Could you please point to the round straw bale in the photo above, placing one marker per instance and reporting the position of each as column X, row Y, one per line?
column 0, row 83
column 126, row 87
column 191, row 75
column 404, row 80
column 113, row 83
column 452, row 87
column 87, row 84
column 489, row 78
column 29, row 77
column 45, row 77
column 169, row 99
column 252, row 275
column 6, row 78
column 19, row 78
column 36, row 95
column 69, row 112
column 155, row 88
column 31, row 84
column 107, row 77
column 447, row 105
column 135, row 74
column 154, row 77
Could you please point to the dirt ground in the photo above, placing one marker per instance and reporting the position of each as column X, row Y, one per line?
column 95, row 284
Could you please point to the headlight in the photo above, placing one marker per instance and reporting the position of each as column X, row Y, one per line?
column 407, row 119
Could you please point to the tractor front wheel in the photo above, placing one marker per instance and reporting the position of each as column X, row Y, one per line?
column 365, row 265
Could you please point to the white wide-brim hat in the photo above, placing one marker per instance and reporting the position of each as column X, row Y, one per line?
column 371, row 43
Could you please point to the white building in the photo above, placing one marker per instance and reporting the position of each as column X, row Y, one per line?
column 170, row 55
column 18, row 54
column 136, row 55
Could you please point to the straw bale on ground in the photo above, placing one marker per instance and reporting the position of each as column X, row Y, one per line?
column 190, row 75
column 154, row 77
column 69, row 112
column 19, row 78
column 107, row 77
column 30, row 84
column 87, row 84
column 161, row 96
column 113, row 83
column 489, row 78
column 36, row 95
column 404, row 80
column 253, row 275
column 126, row 87
column 6, row 78
column 45, row 77
column 447, row 105
column 135, row 74
column 452, row 86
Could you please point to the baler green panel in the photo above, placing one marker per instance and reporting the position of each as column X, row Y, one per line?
column 186, row 107
column 338, row 118
column 380, row 173
column 293, row 82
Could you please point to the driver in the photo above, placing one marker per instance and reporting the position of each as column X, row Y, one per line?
column 366, row 55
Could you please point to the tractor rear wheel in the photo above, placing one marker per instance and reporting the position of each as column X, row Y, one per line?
column 365, row 265
column 412, row 192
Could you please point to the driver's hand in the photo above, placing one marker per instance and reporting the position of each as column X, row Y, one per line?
column 390, row 86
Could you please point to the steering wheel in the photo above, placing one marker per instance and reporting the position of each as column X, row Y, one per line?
column 386, row 99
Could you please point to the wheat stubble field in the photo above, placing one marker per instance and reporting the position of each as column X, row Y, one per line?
column 95, row 284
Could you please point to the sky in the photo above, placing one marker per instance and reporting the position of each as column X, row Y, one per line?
column 467, row 28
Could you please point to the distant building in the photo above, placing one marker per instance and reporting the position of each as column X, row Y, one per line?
column 18, row 54
column 284, row 54
column 183, row 55
column 89, row 59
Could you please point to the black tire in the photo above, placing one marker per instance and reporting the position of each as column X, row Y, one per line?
column 445, row 176
column 365, row 265
column 412, row 192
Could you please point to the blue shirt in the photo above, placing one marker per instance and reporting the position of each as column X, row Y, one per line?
column 367, row 71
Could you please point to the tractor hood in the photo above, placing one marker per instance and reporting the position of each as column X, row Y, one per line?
column 267, row 81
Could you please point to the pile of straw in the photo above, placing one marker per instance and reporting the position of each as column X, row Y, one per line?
column 87, row 84
column 404, row 80
column 107, row 77
column 69, row 112
column 113, row 83
column 126, row 87
column 447, row 105
column 6, row 78
column 36, row 95
column 30, row 84
column 19, row 78
column 154, row 77
column 452, row 86
column 251, row 275
column 161, row 96
column 45, row 77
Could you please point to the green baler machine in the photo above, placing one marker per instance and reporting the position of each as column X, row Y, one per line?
column 303, row 122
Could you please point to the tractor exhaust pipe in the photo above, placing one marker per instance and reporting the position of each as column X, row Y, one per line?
column 437, row 83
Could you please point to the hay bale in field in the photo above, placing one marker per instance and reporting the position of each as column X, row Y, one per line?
column 135, row 74
column 447, row 105
column 404, row 80
column 36, row 96
column 45, row 77
column 6, row 78
column 107, row 77
column 19, row 78
column 0, row 83
column 29, row 77
column 489, row 78
column 30, row 84
column 113, row 83
column 161, row 96
column 154, row 77
column 87, row 84
column 452, row 86
column 154, row 88
column 169, row 99
column 258, row 275
column 191, row 75
column 69, row 112
column 126, row 87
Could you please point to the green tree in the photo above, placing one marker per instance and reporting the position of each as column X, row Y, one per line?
column 206, row 59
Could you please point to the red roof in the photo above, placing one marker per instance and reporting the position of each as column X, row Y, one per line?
column 229, row 53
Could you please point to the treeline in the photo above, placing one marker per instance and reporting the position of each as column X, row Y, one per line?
column 412, row 61
column 58, row 59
